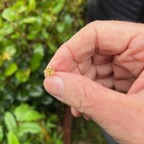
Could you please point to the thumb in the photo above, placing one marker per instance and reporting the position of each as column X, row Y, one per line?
column 83, row 94
column 117, row 113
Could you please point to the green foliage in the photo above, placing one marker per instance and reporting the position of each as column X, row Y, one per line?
column 25, row 125
column 12, row 138
column 24, row 113
column 30, row 33
column 10, row 121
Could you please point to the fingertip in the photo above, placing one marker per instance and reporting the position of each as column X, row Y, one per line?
column 86, row 117
column 75, row 113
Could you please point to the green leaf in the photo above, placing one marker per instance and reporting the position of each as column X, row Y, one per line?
column 6, row 30
column 12, row 68
column 1, row 133
column 60, row 27
column 20, row 111
column 35, row 62
column 29, row 127
column 38, row 49
column 36, row 91
column 59, row 6
column 33, row 115
column 23, row 75
column 38, row 54
column 19, row 6
column 51, row 47
column 10, row 49
column 9, row 15
column 68, row 20
column 50, row 125
column 47, row 17
column 25, row 113
column 31, row 5
column 12, row 138
column 29, row 20
column 10, row 121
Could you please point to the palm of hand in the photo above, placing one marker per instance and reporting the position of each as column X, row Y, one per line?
column 117, row 72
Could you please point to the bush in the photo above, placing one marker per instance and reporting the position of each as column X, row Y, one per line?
column 30, row 33
column 26, row 125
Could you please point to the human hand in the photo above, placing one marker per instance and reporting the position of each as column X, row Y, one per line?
column 99, row 72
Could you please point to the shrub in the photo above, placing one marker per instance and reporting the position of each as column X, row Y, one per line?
column 26, row 125
column 30, row 33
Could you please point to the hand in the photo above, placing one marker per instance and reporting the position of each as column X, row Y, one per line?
column 99, row 73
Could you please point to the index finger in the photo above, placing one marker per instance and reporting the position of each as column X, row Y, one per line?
column 99, row 37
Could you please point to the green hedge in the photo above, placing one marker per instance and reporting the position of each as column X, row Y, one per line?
column 30, row 33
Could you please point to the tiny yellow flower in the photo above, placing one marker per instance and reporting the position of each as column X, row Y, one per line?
column 6, row 56
column 49, row 71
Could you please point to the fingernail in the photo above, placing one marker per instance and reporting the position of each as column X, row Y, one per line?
column 54, row 85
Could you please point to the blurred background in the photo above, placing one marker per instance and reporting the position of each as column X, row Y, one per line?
column 30, row 33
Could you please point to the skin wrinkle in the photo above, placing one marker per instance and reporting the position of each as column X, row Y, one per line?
column 129, row 55
column 126, row 46
column 81, row 101
column 84, row 102
column 127, row 73
column 138, row 85
column 98, row 59
column 122, row 85
column 136, row 57
column 91, row 72
column 97, row 50
column 97, row 108
column 132, row 52
column 59, row 63
column 107, row 82
column 83, row 67
column 69, row 48
column 73, row 57
column 78, row 104
column 78, row 62
column 96, row 72
column 109, row 33
column 82, row 36
column 98, row 31
column 137, row 52
column 104, row 50
column 136, row 72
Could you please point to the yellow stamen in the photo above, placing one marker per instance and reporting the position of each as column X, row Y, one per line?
column 49, row 71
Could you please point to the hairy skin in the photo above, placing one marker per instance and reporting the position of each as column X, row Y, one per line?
column 102, row 72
